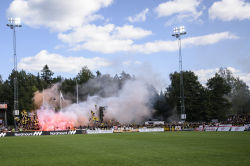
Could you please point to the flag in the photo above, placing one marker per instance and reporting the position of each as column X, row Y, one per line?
column 61, row 95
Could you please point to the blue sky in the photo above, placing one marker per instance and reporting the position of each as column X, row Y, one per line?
column 132, row 36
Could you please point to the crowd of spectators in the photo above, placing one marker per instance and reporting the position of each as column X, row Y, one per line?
column 28, row 123
column 238, row 120
column 235, row 120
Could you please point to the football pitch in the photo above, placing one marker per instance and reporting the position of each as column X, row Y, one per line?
column 158, row 148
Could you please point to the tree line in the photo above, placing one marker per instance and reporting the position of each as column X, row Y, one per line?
column 222, row 95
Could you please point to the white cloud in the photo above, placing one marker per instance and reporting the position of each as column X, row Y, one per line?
column 60, row 63
column 60, row 46
column 107, row 20
column 246, row 78
column 208, row 39
column 57, row 15
column 183, row 10
column 227, row 10
column 129, row 32
column 204, row 75
column 112, row 45
column 140, row 17
column 106, row 47
column 169, row 46
column 127, row 63
column 105, row 39
column 87, row 33
column 107, row 33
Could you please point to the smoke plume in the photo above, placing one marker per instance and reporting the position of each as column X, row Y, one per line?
column 128, row 105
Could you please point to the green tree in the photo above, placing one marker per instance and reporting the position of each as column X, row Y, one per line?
column 98, row 73
column 68, row 85
column 240, row 97
column 1, row 87
column 193, row 95
column 84, row 75
column 56, row 79
column 161, row 107
column 47, row 74
column 8, row 96
column 219, row 103
column 239, row 94
column 27, row 85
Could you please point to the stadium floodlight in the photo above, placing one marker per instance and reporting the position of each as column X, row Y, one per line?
column 177, row 33
column 12, row 24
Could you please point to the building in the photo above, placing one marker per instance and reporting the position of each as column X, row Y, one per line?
column 3, row 113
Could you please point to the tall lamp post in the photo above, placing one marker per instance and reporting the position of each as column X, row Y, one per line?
column 13, row 23
column 177, row 33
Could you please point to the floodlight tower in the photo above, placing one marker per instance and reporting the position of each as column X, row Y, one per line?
column 13, row 23
column 177, row 33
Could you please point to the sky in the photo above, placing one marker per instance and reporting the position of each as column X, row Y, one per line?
column 127, row 35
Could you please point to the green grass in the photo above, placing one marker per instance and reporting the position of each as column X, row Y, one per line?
column 159, row 148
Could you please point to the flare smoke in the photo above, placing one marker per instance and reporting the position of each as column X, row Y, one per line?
column 129, row 105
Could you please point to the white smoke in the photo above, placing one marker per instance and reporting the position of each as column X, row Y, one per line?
column 131, row 104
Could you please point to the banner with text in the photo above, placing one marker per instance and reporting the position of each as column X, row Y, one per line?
column 151, row 130
column 224, row 128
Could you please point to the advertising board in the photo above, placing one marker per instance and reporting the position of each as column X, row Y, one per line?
column 211, row 128
column 151, row 130
column 98, row 131
column 199, row 129
column 237, row 128
column 3, row 106
column 224, row 128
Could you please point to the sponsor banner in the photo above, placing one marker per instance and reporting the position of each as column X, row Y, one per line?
column 177, row 128
column 3, row 106
column 199, row 129
column 62, row 132
column 247, row 126
column 224, row 128
column 30, row 114
column 211, row 128
column 151, row 130
column 98, row 131
column 80, row 131
column 126, row 130
column 25, row 133
column 225, row 125
column 38, row 133
column 118, row 131
column 237, row 128
column 2, row 134
column 135, row 130
column 58, row 133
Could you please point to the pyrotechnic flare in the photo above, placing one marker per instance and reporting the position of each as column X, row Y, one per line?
column 127, row 106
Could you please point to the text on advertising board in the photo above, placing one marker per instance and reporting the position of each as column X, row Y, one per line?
column 3, row 106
